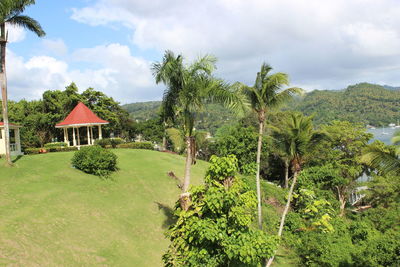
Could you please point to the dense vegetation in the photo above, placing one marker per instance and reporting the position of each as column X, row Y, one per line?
column 361, row 103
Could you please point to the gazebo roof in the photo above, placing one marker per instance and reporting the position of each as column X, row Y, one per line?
column 10, row 124
column 81, row 115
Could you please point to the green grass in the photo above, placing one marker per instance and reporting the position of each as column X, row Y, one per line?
column 52, row 214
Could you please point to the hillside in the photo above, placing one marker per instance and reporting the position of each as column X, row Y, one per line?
column 213, row 116
column 54, row 215
column 364, row 103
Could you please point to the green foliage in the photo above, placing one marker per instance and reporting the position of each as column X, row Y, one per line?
column 55, row 145
column 217, row 229
column 176, row 139
column 361, row 103
column 241, row 142
column 107, row 142
column 95, row 160
column 137, row 145
column 36, row 150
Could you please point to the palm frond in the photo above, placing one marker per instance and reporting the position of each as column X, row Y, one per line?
column 382, row 160
column 27, row 23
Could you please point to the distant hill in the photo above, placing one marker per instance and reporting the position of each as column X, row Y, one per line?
column 213, row 116
column 365, row 103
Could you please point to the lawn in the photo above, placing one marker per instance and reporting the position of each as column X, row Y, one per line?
column 54, row 215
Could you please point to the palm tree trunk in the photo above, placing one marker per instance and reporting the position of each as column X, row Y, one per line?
column 286, row 173
column 186, row 181
column 164, row 143
column 260, row 135
column 285, row 211
column 3, row 84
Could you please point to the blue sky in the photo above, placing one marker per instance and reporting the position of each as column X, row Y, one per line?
column 110, row 44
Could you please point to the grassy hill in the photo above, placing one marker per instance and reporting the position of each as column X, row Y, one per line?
column 54, row 215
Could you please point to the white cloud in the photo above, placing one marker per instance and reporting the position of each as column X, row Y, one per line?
column 117, row 73
column 15, row 34
column 328, row 43
column 56, row 46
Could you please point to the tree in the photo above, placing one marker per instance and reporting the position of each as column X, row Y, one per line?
column 216, row 229
column 383, row 158
column 11, row 13
column 265, row 95
column 297, row 133
column 188, row 89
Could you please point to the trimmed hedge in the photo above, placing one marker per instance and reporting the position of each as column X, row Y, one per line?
column 36, row 150
column 95, row 160
column 137, row 145
column 107, row 142
column 55, row 144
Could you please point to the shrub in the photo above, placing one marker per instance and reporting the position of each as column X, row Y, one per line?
column 55, row 144
column 137, row 145
column 62, row 149
column 31, row 150
column 103, row 142
column 115, row 141
column 95, row 160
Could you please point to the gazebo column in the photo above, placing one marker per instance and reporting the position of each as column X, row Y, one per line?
column 89, row 142
column 91, row 134
column 79, row 139
column 17, row 140
column 66, row 136
column 100, row 133
column 73, row 136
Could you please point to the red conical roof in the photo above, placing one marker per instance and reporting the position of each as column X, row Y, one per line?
column 81, row 115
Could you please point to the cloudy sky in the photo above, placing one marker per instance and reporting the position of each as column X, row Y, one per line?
column 110, row 44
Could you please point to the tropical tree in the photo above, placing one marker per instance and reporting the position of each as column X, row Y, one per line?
column 189, row 87
column 11, row 14
column 298, row 136
column 267, row 94
column 386, row 159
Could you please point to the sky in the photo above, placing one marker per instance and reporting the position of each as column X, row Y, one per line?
column 110, row 44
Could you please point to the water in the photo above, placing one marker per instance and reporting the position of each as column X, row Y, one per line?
column 383, row 134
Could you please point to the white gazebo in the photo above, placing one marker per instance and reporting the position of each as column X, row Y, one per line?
column 81, row 117
column 15, row 141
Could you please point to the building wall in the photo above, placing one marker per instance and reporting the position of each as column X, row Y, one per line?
column 3, row 143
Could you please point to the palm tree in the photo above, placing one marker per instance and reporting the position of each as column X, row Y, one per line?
column 265, row 95
column 189, row 87
column 11, row 14
column 297, row 136
column 385, row 159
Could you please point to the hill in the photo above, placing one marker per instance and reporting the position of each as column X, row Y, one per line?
column 213, row 116
column 54, row 215
column 364, row 103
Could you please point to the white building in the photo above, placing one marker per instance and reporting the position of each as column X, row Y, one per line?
column 15, row 142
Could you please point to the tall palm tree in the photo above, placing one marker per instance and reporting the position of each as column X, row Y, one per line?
column 189, row 87
column 267, row 94
column 297, row 135
column 11, row 14
column 385, row 159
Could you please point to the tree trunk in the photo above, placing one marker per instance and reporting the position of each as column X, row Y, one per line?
column 285, row 211
column 260, row 135
column 342, row 201
column 286, row 173
column 3, row 84
column 164, row 143
column 186, row 181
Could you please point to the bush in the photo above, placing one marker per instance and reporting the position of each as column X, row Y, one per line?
column 55, row 144
column 103, row 142
column 116, row 141
column 36, row 150
column 137, row 145
column 95, row 160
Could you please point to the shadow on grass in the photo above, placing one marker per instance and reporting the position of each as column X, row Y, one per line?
column 17, row 158
column 169, row 214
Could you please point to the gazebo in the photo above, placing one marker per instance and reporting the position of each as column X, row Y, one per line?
column 81, row 117
column 15, row 142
